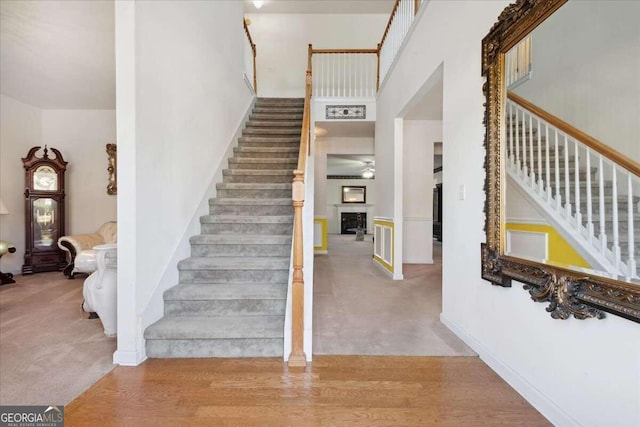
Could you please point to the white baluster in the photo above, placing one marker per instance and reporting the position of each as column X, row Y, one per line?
column 567, row 182
column 525, row 171
column 548, row 169
column 590, row 231
column 614, row 208
column 601, row 210
column 577, row 185
column 631, row 262
column 557, row 170
column 532, row 172
column 517, row 123
column 511, row 124
column 540, row 180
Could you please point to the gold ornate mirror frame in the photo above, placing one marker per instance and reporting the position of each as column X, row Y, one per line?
column 112, row 168
column 567, row 293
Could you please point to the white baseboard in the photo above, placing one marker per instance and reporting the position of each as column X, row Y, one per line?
column 417, row 260
column 319, row 252
column 547, row 407
column 128, row 358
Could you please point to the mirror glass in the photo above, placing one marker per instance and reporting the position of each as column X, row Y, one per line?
column 351, row 194
column 45, row 229
column 572, row 113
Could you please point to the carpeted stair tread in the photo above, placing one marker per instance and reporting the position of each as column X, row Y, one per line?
column 271, row 131
column 253, row 186
column 234, row 263
column 237, row 239
column 276, row 116
column 289, row 140
column 225, row 291
column 275, row 123
column 247, row 201
column 262, row 219
column 215, row 327
column 274, row 150
column 263, row 172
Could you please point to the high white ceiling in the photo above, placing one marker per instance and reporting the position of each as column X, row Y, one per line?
column 321, row 6
column 58, row 54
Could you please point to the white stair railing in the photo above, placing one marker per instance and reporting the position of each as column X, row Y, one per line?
column 400, row 21
column 581, row 183
column 345, row 73
column 250, row 59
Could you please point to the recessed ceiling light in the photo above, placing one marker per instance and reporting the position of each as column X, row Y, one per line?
column 258, row 3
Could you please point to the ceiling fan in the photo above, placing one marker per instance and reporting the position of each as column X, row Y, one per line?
column 369, row 171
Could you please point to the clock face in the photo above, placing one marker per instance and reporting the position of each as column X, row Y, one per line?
column 45, row 179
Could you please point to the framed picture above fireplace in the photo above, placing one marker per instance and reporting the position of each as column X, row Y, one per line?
column 351, row 194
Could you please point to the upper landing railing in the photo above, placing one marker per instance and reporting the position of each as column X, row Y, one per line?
column 358, row 73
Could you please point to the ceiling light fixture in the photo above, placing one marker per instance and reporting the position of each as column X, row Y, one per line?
column 258, row 3
column 369, row 171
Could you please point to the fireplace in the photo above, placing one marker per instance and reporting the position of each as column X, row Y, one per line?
column 349, row 221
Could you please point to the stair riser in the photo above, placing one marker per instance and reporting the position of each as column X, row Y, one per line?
column 251, row 209
column 262, row 165
column 234, row 276
column 224, row 307
column 264, row 194
column 246, row 347
column 259, row 179
column 240, row 250
column 248, row 228
column 278, row 104
column 266, row 154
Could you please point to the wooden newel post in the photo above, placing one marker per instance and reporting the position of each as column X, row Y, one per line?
column 378, row 68
column 255, row 74
column 297, row 356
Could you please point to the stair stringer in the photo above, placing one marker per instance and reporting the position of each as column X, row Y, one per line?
column 576, row 238
column 154, row 310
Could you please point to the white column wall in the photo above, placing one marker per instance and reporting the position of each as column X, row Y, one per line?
column 419, row 136
column 181, row 98
column 576, row 372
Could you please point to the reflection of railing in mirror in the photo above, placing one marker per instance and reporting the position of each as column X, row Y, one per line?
column 586, row 189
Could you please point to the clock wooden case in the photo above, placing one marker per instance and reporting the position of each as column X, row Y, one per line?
column 44, row 211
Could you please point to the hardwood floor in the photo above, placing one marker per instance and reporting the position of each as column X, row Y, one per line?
column 333, row 391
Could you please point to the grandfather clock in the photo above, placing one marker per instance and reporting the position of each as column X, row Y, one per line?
column 44, row 211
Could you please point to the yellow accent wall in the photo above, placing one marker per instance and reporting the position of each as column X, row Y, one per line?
column 560, row 251
column 385, row 224
column 323, row 224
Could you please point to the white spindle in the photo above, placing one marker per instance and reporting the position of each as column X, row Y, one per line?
column 567, row 182
column 531, row 169
column 511, row 123
column 557, row 175
column 576, row 188
column 548, row 169
column 524, row 144
column 614, row 208
column 590, row 231
column 540, row 180
column 517, row 122
column 601, row 210
column 631, row 262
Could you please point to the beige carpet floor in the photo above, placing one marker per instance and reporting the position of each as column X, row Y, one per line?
column 49, row 351
column 358, row 309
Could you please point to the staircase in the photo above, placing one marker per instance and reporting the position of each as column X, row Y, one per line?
column 593, row 202
column 231, row 296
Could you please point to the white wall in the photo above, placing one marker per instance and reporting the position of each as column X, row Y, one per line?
column 20, row 129
column 181, row 97
column 577, row 372
column 81, row 136
column 417, row 241
column 282, row 42
column 586, row 68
